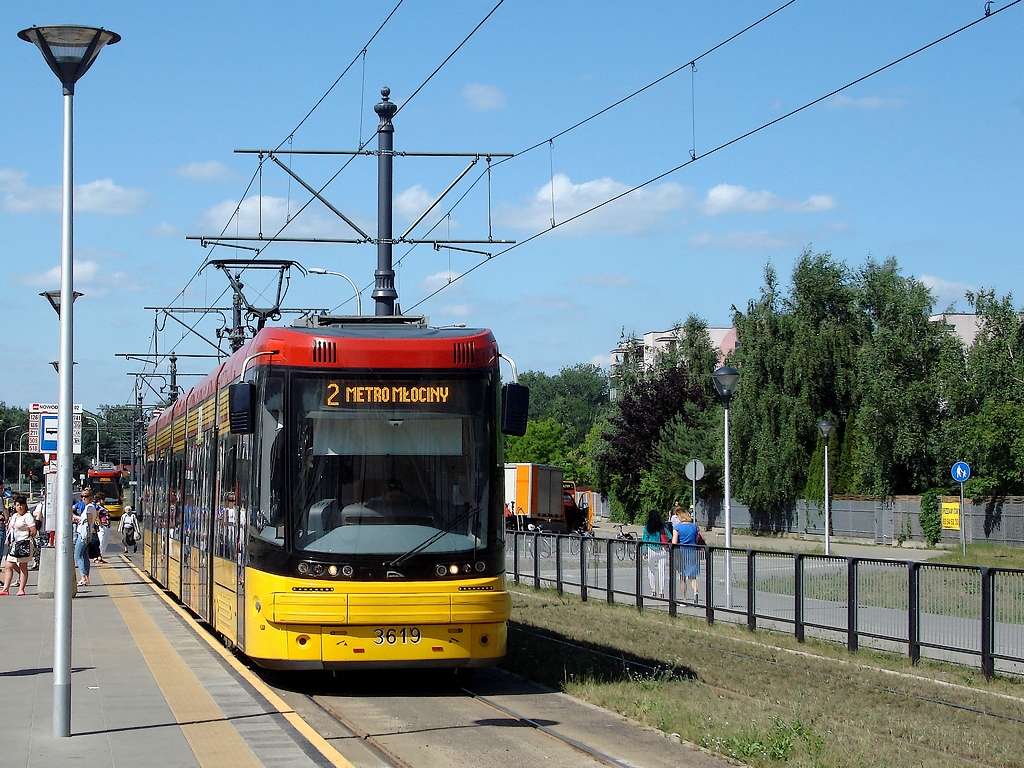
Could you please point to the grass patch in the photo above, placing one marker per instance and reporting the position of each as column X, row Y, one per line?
column 990, row 555
column 764, row 698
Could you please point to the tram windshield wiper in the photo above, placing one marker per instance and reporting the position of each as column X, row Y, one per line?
column 430, row 540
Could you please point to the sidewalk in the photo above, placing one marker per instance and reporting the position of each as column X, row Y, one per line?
column 146, row 689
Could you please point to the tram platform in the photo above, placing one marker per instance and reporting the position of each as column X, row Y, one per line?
column 147, row 689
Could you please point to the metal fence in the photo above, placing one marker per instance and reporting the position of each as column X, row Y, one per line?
column 884, row 521
column 964, row 614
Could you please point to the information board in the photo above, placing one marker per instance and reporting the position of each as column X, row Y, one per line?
column 43, row 428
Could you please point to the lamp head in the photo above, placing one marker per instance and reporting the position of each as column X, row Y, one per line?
column 825, row 427
column 69, row 50
column 726, row 380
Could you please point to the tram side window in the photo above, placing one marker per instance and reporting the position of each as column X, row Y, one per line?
column 227, row 501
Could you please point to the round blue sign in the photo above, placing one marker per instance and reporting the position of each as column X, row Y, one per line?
column 961, row 472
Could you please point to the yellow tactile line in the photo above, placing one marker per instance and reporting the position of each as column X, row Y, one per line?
column 214, row 741
column 318, row 742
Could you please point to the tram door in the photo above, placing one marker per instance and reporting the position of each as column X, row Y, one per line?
column 198, row 538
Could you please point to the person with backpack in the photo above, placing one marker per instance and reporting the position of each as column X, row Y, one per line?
column 655, row 552
column 129, row 530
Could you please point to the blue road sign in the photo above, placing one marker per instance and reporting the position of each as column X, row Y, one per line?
column 961, row 472
column 48, row 433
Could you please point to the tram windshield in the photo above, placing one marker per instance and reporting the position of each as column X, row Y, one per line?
column 387, row 463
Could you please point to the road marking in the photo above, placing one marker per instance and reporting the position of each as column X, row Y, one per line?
column 318, row 742
column 213, row 739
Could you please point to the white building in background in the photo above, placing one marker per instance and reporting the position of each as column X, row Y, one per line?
column 965, row 327
column 655, row 343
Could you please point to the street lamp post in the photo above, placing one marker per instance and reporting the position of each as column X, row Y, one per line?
column 20, row 454
column 16, row 426
column 320, row 271
column 825, row 427
column 726, row 380
column 69, row 51
column 97, row 423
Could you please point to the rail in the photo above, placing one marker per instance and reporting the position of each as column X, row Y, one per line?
column 959, row 613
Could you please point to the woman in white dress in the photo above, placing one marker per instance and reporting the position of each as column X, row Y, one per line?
column 20, row 531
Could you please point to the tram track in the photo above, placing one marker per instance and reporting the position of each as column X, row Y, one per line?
column 424, row 720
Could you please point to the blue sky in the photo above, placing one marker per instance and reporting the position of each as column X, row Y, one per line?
column 922, row 162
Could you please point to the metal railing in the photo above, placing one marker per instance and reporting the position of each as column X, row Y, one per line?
column 953, row 612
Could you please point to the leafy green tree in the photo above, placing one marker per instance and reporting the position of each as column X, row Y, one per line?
column 899, row 394
column 984, row 398
column 635, row 429
column 576, row 397
column 543, row 443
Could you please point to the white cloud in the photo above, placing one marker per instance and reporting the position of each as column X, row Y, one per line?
column 483, row 98
column 641, row 211
column 438, row 280
column 104, row 196
column 457, row 310
column 100, row 196
column 93, row 278
column 602, row 360
column 269, row 216
column 946, row 292
column 604, row 280
column 865, row 102
column 212, row 170
column 163, row 229
column 744, row 240
column 733, row 198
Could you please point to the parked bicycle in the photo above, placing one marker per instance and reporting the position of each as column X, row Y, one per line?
column 577, row 537
column 624, row 543
column 539, row 540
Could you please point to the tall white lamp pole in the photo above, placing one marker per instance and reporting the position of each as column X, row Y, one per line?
column 726, row 380
column 826, row 427
column 69, row 51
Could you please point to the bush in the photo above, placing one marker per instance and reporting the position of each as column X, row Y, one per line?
column 931, row 515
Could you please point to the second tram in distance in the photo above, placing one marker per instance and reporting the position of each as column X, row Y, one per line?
column 331, row 496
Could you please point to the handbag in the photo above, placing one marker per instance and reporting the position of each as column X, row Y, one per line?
column 22, row 548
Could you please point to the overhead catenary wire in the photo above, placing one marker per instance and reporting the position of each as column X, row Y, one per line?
column 721, row 146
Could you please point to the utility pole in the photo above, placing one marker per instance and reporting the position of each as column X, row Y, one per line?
column 384, row 293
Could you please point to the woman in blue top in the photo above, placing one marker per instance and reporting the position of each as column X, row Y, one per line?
column 685, row 533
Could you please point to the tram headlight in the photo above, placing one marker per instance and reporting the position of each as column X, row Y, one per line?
column 480, row 565
column 453, row 569
column 332, row 570
column 318, row 569
column 347, row 571
column 467, row 568
column 304, row 568
column 440, row 570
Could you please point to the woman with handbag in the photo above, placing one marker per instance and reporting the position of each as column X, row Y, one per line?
column 20, row 531
column 83, row 513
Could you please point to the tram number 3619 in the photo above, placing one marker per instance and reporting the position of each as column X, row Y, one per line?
column 403, row 636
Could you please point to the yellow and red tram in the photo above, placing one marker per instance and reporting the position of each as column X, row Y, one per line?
column 331, row 496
